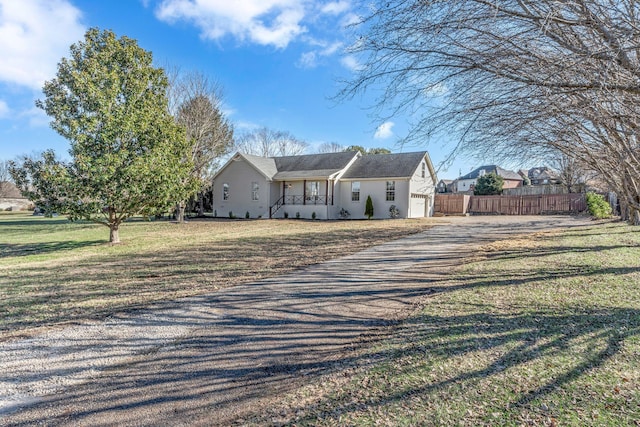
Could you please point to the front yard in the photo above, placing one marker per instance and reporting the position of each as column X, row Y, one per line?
column 53, row 271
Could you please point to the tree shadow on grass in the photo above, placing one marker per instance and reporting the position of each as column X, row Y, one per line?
column 511, row 345
column 41, row 248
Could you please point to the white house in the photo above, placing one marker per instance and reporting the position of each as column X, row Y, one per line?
column 325, row 185
column 465, row 183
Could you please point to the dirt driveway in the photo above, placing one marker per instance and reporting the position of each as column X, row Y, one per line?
column 213, row 359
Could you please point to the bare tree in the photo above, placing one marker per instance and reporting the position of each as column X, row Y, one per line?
column 5, row 178
column 330, row 147
column 267, row 142
column 572, row 174
column 513, row 78
column 197, row 105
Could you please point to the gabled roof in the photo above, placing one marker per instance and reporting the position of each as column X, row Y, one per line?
column 264, row 165
column 542, row 173
column 504, row 173
column 399, row 165
column 330, row 165
column 312, row 165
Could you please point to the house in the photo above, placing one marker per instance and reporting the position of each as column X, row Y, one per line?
column 445, row 186
column 324, row 185
column 466, row 183
column 543, row 176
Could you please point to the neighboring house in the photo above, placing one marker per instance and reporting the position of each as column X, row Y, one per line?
column 325, row 184
column 543, row 176
column 445, row 186
column 466, row 183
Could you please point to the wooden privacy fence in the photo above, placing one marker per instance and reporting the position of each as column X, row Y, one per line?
column 451, row 204
column 510, row 205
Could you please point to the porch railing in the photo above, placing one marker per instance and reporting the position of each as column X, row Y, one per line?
column 299, row 200
column 306, row 200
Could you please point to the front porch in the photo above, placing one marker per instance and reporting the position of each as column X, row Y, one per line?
column 314, row 194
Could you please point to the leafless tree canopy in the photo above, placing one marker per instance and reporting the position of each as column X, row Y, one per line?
column 513, row 77
column 330, row 147
column 196, row 103
column 267, row 142
column 5, row 178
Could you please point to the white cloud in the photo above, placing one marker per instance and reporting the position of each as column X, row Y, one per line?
column 311, row 59
column 34, row 35
column 384, row 131
column 36, row 117
column 351, row 63
column 350, row 19
column 336, row 7
column 4, row 109
column 265, row 22
column 331, row 49
column 308, row 60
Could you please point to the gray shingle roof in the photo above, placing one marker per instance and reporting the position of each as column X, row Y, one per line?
column 399, row 165
column 266, row 165
column 504, row 173
column 312, row 165
column 542, row 173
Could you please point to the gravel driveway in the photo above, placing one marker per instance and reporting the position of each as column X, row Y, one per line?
column 212, row 359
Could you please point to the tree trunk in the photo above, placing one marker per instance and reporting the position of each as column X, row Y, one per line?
column 114, row 235
column 634, row 216
column 180, row 211
column 200, row 204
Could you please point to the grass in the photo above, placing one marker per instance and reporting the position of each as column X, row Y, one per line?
column 53, row 271
column 543, row 330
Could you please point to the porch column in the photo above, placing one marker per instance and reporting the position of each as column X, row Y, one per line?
column 304, row 192
column 326, row 193
column 284, row 186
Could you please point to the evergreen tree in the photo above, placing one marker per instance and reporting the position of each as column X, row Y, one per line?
column 488, row 184
column 368, row 210
column 128, row 155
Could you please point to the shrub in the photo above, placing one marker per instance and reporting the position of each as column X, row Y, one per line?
column 344, row 214
column 598, row 207
column 394, row 212
column 246, row 215
column 368, row 210
column 313, row 215
column 297, row 215
column 215, row 213
column 231, row 215
column 286, row 215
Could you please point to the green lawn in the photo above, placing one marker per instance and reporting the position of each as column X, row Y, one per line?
column 536, row 331
column 53, row 271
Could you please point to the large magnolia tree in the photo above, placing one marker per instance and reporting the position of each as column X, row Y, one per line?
column 127, row 152
column 513, row 78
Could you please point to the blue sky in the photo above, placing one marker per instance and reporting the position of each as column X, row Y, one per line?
column 279, row 63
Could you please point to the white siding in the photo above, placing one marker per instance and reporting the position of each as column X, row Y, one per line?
column 240, row 175
column 377, row 189
column 464, row 184
column 421, row 206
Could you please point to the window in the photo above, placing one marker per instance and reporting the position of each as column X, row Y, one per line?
column 254, row 190
column 225, row 191
column 391, row 191
column 313, row 188
column 424, row 170
column 355, row 191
